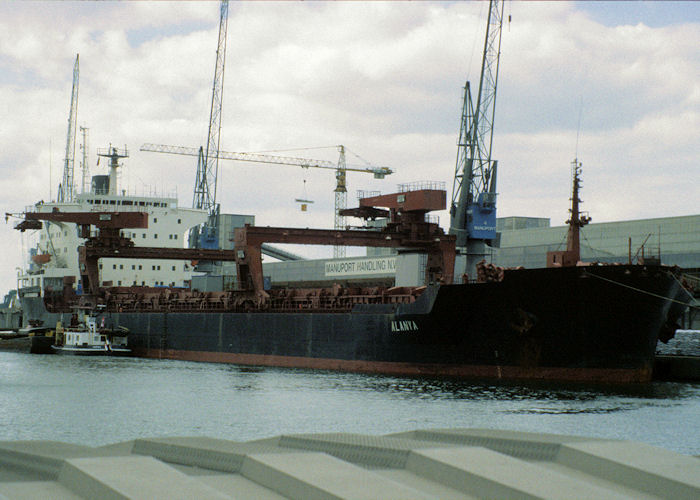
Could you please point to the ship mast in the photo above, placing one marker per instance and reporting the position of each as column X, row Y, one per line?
column 572, row 255
column 576, row 221
column 114, row 156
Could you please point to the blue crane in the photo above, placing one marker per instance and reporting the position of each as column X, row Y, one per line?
column 206, row 236
column 473, row 208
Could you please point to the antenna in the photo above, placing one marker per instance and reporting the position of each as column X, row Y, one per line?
column 578, row 127
column 50, row 169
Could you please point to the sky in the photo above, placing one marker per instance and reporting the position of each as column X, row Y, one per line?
column 615, row 84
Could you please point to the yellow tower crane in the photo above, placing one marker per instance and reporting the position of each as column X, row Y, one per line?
column 340, row 172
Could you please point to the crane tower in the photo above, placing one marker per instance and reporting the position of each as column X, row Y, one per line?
column 341, row 201
column 66, row 188
column 340, row 168
column 208, row 163
column 84, row 166
column 473, row 208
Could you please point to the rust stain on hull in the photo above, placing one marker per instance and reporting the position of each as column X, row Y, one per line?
column 605, row 375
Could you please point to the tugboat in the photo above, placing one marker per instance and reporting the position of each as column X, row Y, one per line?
column 87, row 339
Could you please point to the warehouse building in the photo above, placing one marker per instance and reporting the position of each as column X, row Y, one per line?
column 676, row 240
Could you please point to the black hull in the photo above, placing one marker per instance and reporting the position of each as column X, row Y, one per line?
column 594, row 324
column 41, row 344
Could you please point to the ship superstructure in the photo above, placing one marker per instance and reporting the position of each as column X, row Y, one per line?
column 53, row 256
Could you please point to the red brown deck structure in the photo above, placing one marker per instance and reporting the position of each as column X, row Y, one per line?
column 407, row 229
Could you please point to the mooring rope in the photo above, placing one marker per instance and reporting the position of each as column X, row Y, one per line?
column 688, row 304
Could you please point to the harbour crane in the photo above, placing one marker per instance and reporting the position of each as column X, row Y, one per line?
column 340, row 169
column 66, row 188
column 206, row 236
column 84, row 164
column 473, row 208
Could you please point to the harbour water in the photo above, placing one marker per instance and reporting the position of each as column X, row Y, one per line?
column 98, row 401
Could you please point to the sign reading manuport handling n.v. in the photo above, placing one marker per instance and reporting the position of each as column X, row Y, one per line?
column 370, row 265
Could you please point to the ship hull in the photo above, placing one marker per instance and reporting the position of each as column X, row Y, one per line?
column 589, row 324
column 458, row 371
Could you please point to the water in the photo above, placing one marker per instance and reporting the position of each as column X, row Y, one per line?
column 96, row 401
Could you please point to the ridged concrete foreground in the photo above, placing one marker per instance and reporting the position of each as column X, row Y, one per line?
column 440, row 464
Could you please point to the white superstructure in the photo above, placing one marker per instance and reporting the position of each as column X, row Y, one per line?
column 53, row 255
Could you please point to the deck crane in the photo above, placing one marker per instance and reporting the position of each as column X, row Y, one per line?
column 66, row 188
column 340, row 169
column 206, row 236
column 473, row 208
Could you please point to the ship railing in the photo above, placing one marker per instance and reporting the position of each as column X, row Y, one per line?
column 421, row 185
column 363, row 193
column 338, row 303
column 128, row 208
column 223, row 302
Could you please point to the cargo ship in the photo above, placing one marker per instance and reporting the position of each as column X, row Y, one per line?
column 568, row 321
column 565, row 321
column 571, row 323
